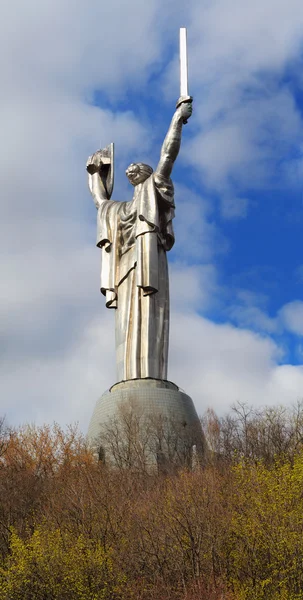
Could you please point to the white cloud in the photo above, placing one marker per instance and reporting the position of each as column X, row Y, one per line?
column 241, row 143
column 232, row 207
column 217, row 364
column 62, row 386
column 291, row 315
column 253, row 317
column 220, row 364
column 198, row 237
column 262, row 35
column 58, row 339
column 249, row 310
column 193, row 287
column 246, row 118
column 83, row 48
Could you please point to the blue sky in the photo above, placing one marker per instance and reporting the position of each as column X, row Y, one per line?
column 75, row 80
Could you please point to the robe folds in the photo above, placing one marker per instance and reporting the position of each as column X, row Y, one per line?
column 134, row 237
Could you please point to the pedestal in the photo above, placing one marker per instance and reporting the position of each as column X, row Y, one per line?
column 160, row 420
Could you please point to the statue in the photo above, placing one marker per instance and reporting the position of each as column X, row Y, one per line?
column 134, row 237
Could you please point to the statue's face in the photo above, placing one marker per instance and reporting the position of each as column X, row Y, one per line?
column 136, row 175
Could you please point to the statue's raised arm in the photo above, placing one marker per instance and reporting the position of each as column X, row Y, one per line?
column 171, row 145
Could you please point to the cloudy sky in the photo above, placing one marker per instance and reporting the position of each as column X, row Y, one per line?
column 76, row 76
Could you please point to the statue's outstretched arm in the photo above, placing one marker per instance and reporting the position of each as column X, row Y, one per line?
column 172, row 142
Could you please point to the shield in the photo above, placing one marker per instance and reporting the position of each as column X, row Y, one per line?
column 106, row 170
column 102, row 163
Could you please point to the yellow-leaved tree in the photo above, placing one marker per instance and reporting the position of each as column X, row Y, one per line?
column 56, row 565
column 266, row 534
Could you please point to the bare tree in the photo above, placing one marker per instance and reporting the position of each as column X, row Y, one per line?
column 254, row 434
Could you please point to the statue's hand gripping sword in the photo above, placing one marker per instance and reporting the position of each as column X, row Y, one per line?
column 184, row 96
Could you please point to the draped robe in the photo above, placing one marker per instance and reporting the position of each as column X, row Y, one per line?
column 134, row 237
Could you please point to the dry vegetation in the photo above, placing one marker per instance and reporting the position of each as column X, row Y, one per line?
column 74, row 528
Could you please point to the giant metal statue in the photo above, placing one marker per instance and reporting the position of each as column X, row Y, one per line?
column 134, row 237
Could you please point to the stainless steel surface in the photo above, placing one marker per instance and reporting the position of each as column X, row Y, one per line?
column 183, row 63
column 184, row 97
column 100, row 167
column 134, row 237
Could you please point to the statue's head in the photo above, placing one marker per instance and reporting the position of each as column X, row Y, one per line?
column 138, row 172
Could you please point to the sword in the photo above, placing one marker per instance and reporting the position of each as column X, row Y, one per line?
column 184, row 96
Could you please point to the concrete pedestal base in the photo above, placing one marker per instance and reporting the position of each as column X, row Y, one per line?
column 161, row 418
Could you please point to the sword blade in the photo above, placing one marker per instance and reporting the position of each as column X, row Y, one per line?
column 183, row 63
